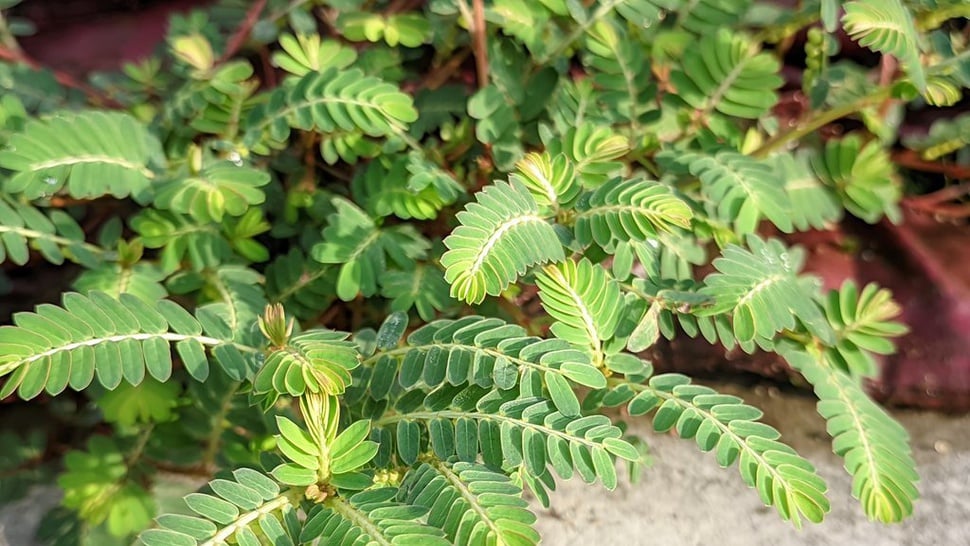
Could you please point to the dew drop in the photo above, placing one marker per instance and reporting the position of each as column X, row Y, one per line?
column 236, row 159
column 50, row 180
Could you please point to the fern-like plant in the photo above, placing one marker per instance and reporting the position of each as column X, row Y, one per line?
column 375, row 296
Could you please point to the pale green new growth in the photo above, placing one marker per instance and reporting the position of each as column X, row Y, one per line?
column 501, row 235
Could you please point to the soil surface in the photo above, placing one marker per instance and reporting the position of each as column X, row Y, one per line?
column 686, row 499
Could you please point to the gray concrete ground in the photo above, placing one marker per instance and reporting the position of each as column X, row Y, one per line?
column 687, row 499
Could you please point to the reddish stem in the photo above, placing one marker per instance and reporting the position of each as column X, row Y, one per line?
column 95, row 96
column 242, row 33
column 912, row 160
column 479, row 42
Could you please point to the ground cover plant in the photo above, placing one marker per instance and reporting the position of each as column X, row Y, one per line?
column 383, row 271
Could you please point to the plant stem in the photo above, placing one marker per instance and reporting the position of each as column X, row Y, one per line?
column 139, row 447
column 214, row 441
column 479, row 42
column 819, row 120
column 7, row 39
column 239, row 37
column 475, row 16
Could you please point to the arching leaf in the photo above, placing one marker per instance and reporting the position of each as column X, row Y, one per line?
column 501, row 235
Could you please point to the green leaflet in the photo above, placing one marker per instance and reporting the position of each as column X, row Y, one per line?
column 219, row 189
column 88, row 154
column 513, row 431
column 887, row 26
column 863, row 325
column 945, row 136
column 96, row 484
column 304, row 287
column 408, row 187
column 812, row 204
column 350, row 450
column 371, row 515
column 92, row 336
column 317, row 361
column 475, row 350
column 622, row 74
column 702, row 17
column 150, row 401
column 500, row 236
column 472, row 503
column 330, row 101
column 302, row 54
column 140, row 280
column 863, row 176
column 725, row 73
column 353, row 240
column 875, row 447
column 179, row 237
column 592, row 149
column 585, row 302
column 55, row 235
column 550, row 180
column 406, row 29
column 250, row 500
column 761, row 290
column 738, row 189
column 424, row 289
column 627, row 210
column 728, row 427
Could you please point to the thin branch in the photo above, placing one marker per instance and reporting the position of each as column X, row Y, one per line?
column 952, row 212
column 912, row 160
column 479, row 41
column 888, row 66
column 820, row 119
column 239, row 37
column 935, row 203
column 440, row 75
column 399, row 6
column 94, row 95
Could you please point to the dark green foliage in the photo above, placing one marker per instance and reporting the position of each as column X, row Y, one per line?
column 320, row 286
column 22, row 464
column 726, row 74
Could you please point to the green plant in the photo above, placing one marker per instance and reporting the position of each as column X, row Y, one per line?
column 634, row 140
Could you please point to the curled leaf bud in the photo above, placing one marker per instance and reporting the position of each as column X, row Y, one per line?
column 274, row 326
